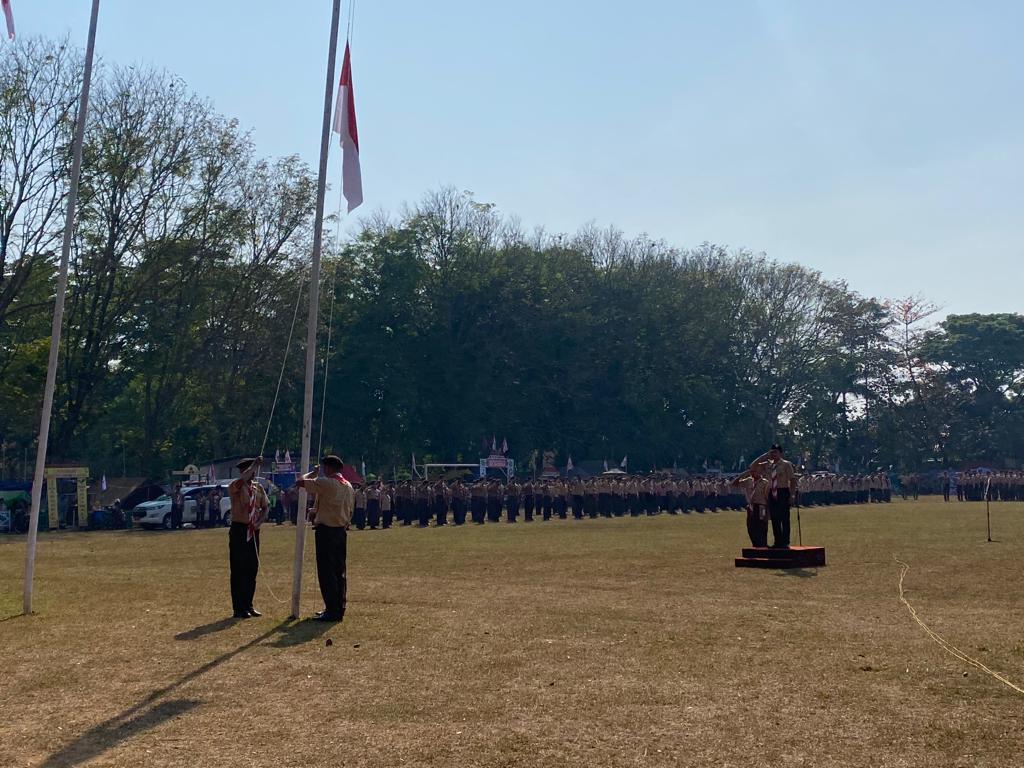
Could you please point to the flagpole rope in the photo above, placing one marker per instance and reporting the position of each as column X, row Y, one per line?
column 284, row 363
column 944, row 644
column 327, row 362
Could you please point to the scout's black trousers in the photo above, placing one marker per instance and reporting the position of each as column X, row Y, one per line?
column 778, row 508
column 330, row 567
column 757, row 525
column 245, row 564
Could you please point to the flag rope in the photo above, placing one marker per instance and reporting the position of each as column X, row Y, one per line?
column 944, row 644
column 327, row 358
column 284, row 363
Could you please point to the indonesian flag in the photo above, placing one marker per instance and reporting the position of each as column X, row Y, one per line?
column 504, row 445
column 606, row 465
column 103, row 482
column 345, row 127
column 569, row 467
column 9, row 16
column 625, row 460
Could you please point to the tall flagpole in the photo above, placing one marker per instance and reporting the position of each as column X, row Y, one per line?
column 58, row 313
column 314, row 306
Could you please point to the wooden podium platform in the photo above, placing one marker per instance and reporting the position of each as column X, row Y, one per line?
column 793, row 557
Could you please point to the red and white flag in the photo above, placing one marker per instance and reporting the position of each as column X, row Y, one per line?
column 9, row 17
column 345, row 127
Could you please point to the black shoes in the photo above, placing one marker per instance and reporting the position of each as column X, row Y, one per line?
column 254, row 613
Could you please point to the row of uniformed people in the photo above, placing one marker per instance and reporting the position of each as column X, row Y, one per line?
column 824, row 488
column 419, row 502
column 379, row 505
column 1001, row 486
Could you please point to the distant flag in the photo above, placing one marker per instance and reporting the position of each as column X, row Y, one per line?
column 504, row 445
column 213, row 473
column 103, row 482
column 414, row 464
column 606, row 465
column 287, row 456
column 494, row 444
column 277, row 455
column 569, row 467
column 624, row 461
column 345, row 127
column 705, row 465
column 9, row 16
column 362, row 466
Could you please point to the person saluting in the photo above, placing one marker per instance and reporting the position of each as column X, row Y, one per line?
column 782, row 479
column 249, row 508
column 332, row 516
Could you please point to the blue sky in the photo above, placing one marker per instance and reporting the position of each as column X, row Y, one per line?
column 879, row 142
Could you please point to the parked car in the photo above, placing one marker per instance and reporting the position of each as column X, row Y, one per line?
column 157, row 513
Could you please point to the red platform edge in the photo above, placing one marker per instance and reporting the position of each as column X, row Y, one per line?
column 793, row 557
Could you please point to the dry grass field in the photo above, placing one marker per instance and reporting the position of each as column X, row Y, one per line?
column 625, row 642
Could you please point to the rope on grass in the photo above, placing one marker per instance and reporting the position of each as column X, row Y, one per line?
column 944, row 644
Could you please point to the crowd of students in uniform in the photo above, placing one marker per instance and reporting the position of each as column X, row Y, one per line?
column 425, row 503
column 765, row 490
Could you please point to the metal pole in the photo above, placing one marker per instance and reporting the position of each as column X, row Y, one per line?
column 58, row 312
column 988, row 510
column 314, row 306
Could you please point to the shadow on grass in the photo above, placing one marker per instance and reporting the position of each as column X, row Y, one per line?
column 801, row 573
column 156, row 708
column 108, row 734
column 291, row 633
column 206, row 629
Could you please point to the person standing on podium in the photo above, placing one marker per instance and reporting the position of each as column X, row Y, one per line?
column 756, row 487
column 782, row 479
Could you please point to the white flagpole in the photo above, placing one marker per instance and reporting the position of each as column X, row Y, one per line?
column 58, row 313
column 314, row 306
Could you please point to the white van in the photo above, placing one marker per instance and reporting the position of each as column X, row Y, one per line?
column 157, row 513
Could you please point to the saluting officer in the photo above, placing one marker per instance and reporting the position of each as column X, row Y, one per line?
column 332, row 515
column 249, row 508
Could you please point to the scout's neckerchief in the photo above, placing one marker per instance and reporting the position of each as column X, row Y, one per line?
column 339, row 477
column 250, row 532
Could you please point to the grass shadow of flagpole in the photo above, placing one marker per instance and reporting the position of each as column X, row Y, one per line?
column 156, row 708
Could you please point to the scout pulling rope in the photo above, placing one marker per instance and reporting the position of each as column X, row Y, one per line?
column 945, row 645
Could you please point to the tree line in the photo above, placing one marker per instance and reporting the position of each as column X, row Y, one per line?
column 442, row 324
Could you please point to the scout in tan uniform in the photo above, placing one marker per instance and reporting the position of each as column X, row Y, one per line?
column 783, row 479
column 756, row 487
column 249, row 508
column 332, row 515
column 386, row 514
